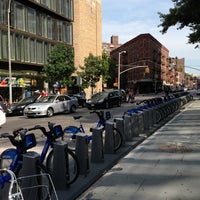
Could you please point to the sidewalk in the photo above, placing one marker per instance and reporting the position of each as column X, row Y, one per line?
column 164, row 166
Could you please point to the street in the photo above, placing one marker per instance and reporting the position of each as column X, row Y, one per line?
column 88, row 120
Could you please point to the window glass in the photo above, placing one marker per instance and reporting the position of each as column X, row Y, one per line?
column 19, row 16
column 49, row 27
column 26, row 49
column 31, row 20
column 3, row 11
column 32, row 50
column 39, row 52
column 18, row 44
column 4, row 44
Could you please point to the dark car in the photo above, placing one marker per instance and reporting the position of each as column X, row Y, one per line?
column 18, row 108
column 104, row 100
column 122, row 94
column 81, row 99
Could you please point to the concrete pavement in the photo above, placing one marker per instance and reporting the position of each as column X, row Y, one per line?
column 164, row 166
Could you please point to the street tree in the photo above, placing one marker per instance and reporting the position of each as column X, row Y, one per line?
column 60, row 64
column 105, row 67
column 185, row 13
column 91, row 71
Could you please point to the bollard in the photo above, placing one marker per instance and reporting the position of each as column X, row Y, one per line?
column 120, row 127
column 146, row 120
column 60, row 171
column 127, row 128
column 150, row 117
column 140, row 122
column 97, row 154
column 109, row 138
column 134, row 125
column 29, row 168
column 82, row 152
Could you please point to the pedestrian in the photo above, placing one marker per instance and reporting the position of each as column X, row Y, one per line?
column 44, row 93
column 131, row 96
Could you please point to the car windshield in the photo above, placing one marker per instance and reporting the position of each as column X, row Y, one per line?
column 27, row 100
column 100, row 95
column 46, row 99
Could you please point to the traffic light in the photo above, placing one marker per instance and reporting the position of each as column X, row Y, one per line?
column 147, row 70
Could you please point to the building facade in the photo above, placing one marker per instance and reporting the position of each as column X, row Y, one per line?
column 87, row 33
column 35, row 27
column 143, row 50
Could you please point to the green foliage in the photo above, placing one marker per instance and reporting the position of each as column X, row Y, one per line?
column 184, row 14
column 91, row 71
column 105, row 67
column 60, row 64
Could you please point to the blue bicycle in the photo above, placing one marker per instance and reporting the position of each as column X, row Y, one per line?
column 12, row 158
column 73, row 130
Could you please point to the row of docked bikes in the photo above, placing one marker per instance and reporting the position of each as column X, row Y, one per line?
column 23, row 140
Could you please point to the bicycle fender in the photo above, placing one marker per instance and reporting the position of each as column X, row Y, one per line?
column 9, row 154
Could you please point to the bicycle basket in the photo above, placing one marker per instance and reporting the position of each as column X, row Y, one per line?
column 57, row 130
column 29, row 141
column 108, row 115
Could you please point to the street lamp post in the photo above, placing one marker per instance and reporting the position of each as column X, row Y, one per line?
column 121, row 52
column 9, row 55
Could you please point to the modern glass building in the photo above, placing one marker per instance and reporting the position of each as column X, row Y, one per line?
column 35, row 27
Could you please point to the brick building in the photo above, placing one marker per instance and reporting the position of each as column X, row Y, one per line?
column 143, row 50
column 114, row 43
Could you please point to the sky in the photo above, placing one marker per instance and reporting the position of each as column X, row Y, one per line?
column 129, row 18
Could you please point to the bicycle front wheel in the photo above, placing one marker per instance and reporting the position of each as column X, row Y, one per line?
column 72, row 165
column 37, row 186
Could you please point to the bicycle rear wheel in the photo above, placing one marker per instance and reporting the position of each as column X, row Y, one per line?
column 72, row 168
column 117, row 138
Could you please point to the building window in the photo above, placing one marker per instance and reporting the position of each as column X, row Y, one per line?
column 3, row 11
column 4, row 40
column 49, row 27
column 18, row 49
column 19, row 17
column 39, row 52
column 32, row 50
column 26, row 47
column 31, row 20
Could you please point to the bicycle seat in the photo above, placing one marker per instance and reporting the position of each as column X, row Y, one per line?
column 77, row 117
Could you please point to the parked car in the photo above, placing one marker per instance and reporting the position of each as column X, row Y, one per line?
column 51, row 104
column 198, row 91
column 104, row 100
column 81, row 99
column 2, row 116
column 3, row 104
column 18, row 108
column 122, row 94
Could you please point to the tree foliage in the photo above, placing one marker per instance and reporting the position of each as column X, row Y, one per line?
column 60, row 64
column 91, row 71
column 184, row 14
column 105, row 67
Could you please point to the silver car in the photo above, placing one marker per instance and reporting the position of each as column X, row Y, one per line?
column 51, row 104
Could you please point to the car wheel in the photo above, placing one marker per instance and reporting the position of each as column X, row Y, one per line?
column 50, row 112
column 119, row 104
column 73, row 109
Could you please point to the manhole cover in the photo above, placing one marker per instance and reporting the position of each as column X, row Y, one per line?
column 173, row 148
